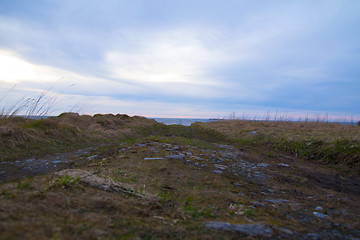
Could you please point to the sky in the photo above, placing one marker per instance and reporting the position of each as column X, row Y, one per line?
column 189, row 58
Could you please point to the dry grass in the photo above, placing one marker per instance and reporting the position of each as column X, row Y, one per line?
column 187, row 193
column 330, row 143
column 22, row 137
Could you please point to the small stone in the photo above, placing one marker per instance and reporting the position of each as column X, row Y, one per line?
column 218, row 171
column 253, row 132
column 284, row 165
column 320, row 215
column 318, row 208
column 263, row 165
column 219, row 166
column 268, row 190
column 92, row 157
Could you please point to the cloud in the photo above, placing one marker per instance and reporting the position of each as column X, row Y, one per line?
column 170, row 56
column 196, row 56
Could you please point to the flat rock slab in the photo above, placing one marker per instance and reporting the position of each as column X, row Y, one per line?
column 101, row 182
column 154, row 158
column 176, row 156
column 248, row 229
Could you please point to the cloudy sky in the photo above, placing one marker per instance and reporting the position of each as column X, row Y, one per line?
column 193, row 58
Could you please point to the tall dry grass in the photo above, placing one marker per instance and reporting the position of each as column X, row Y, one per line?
column 31, row 107
column 319, row 117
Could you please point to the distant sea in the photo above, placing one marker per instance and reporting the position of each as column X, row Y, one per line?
column 181, row 121
column 167, row 121
column 189, row 121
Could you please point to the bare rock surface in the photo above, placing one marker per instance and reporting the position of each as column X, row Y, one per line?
column 247, row 229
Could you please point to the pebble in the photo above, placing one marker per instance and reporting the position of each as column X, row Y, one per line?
column 320, row 215
column 284, row 165
column 92, row 157
column 218, row 171
column 219, row 166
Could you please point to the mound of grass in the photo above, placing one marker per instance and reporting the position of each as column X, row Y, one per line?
column 327, row 143
column 22, row 137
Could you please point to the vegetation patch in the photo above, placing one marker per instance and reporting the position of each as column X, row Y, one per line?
column 145, row 180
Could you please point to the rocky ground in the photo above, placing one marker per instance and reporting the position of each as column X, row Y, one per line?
column 163, row 188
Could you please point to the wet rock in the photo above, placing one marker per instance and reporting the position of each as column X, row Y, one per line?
column 318, row 208
column 284, row 165
column 268, row 190
column 247, row 229
column 320, row 215
column 154, row 158
column 176, row 156
column 219, row 166
column 92, row 157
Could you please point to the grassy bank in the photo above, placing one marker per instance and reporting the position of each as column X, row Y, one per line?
column 331, row 144
column 23, row 137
